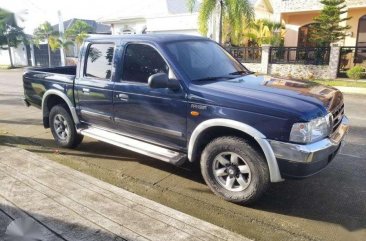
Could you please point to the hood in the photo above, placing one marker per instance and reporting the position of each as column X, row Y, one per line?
column 268, row 95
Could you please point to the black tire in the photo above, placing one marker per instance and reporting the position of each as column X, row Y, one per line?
column 71, row 139
column 257, row 178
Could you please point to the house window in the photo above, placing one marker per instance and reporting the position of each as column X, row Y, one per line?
column 303, row 37
column 361, row 35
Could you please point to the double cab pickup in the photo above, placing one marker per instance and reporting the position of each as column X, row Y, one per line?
column 180, row 98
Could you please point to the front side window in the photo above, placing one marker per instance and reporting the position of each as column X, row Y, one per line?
column 99, row 61
column 140, row 62
column 203, row 59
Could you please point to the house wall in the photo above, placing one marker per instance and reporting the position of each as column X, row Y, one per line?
column 4, row 57
column 287, row 6
column 262, row 11
column 182, row 23
column 293, row 23
column 297, row 71
column 255, row 67
column 135, row 25
column 19, row 56
column 356, row 14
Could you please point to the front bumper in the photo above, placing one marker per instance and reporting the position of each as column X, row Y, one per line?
column 296, row 160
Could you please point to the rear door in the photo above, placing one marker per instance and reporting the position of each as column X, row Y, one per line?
column 154, row 115
column 94, row 87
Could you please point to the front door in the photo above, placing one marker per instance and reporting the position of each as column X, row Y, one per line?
column 94, row 88
column 154, row 115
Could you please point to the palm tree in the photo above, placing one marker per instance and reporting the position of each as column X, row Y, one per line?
column 45, row 32
column 236, row 11
column 60, row 43
column 78, row 32
column 263, row 31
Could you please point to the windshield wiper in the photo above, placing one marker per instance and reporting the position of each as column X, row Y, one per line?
column 214, row 78
column 241, row 72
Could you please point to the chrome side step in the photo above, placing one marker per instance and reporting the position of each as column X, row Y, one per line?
column 131, row 144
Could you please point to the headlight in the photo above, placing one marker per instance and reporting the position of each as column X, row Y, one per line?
column 312, row 131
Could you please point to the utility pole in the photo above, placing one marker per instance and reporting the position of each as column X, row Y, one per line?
column 61, row 31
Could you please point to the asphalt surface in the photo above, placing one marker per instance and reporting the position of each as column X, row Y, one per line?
column 328, row 206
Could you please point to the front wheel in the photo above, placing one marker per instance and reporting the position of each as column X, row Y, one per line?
column 63, row 127
column 234, row 170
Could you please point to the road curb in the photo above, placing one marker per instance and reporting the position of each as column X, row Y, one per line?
column 352, row 90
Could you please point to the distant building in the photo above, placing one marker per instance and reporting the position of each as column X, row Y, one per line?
column 168, row 16
column 158, row 16
column 96, row 28
column 298, row 16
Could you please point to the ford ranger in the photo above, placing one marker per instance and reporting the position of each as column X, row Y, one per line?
column 181, row 98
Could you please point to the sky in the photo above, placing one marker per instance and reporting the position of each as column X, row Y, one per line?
column 39, row 11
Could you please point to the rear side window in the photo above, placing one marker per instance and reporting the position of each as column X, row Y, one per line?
column 140, row 62
column 99, row 61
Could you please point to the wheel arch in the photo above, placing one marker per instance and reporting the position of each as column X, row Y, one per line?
column 243, row 130
column 53, row 97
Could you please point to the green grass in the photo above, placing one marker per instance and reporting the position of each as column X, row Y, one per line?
column 4, row 66
column 347, row 83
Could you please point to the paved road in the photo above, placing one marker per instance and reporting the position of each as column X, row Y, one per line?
column 328, row 206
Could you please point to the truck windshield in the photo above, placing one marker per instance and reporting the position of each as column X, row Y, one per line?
column 205, row 60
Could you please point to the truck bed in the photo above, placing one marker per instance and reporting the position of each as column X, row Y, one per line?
column 37, row 81
column 64, row 70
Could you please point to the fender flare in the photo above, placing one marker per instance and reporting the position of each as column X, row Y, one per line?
column 62, row 95
column 274, row 170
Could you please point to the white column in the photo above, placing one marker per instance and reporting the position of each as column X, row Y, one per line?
column 61, row 30
column 335, row 51
column 33, row 60
column 265, row 58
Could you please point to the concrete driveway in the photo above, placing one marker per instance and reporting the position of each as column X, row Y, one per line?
column 327, row 206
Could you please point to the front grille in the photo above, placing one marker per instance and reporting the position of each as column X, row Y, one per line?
column 337, row 113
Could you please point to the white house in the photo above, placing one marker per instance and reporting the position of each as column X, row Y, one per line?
column 168, row 16
column 147, row 16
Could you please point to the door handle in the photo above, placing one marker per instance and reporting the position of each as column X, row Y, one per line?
column 122, row 97
column 85, row 90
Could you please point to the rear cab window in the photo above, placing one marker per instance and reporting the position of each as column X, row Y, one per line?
column 99, row 59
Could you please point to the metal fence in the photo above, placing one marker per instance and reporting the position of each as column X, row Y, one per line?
column 299, row 55
column 246, row 54
column 350, row 57
column 41, row 56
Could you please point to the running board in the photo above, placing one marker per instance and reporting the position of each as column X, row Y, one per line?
column 131, row 144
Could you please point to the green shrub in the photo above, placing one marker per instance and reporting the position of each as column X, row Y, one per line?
column 357, row 72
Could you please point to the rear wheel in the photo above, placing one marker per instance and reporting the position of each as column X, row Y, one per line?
column 63, row 127
column 234, row 170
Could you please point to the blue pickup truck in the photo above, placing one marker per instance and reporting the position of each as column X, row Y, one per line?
column 181, row 98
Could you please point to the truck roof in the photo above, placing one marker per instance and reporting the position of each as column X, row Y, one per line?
column 149, row 37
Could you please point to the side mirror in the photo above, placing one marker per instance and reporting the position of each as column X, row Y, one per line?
column 161, row 81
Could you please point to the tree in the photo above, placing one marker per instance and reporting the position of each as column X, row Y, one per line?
column 78, row 32
column 327, row 27
column 235, row 11
column 10, row 33
column 263, row 31
column 45, row 32
column 64, row 44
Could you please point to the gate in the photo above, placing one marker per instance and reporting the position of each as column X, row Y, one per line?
column 350, row 57
column 41, row 56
